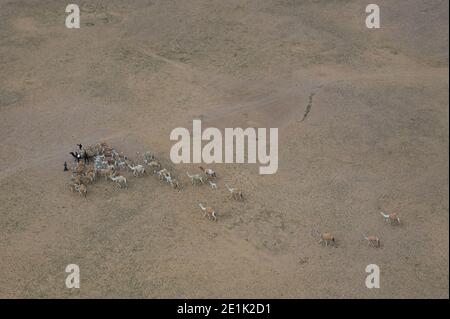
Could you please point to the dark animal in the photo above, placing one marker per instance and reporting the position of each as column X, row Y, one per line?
column 65, row 167
column 76, row 156
column 85, row 156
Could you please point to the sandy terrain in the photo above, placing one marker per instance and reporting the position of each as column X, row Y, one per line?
column 375, row 138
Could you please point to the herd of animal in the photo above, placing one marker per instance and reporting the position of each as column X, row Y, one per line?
column 101, row 160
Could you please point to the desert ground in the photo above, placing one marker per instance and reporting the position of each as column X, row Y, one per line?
column 375, row 137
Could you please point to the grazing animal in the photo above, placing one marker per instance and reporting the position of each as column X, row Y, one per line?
column 82, row 189
column 372, row 241
column 115, row 154
column 174, row 183
column 90, row 169
column 91, row 176
column 100, row 158
column 85, row 180
column 65, row 167
column 235, row 193
column 128, row 163
column 106, row 150
column 103, row 146
column 326, row 238
column 81, row 179
column 86, row 155
column 137, row 170
column 119, row 164
column 209, row 172
column 72, row 187
column 163, row 174
column 154, row 165
column 76, row 178
column 195, row 179
column 148, row 157
column 119, row 180
column 80, row 168
column 99, row 161
column 168, row 178
column 392, row 218
column 208, row 212
column 104, row 172
column 213, row 185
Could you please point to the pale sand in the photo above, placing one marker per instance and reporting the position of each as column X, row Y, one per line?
column 375, row 138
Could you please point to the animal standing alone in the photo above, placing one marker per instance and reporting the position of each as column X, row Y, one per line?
column 208, row 212
column 372, row 241
column 235, row 193
column 392, row 218
column 326, row 238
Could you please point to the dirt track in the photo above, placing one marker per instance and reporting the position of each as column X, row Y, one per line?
column 375, row 138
